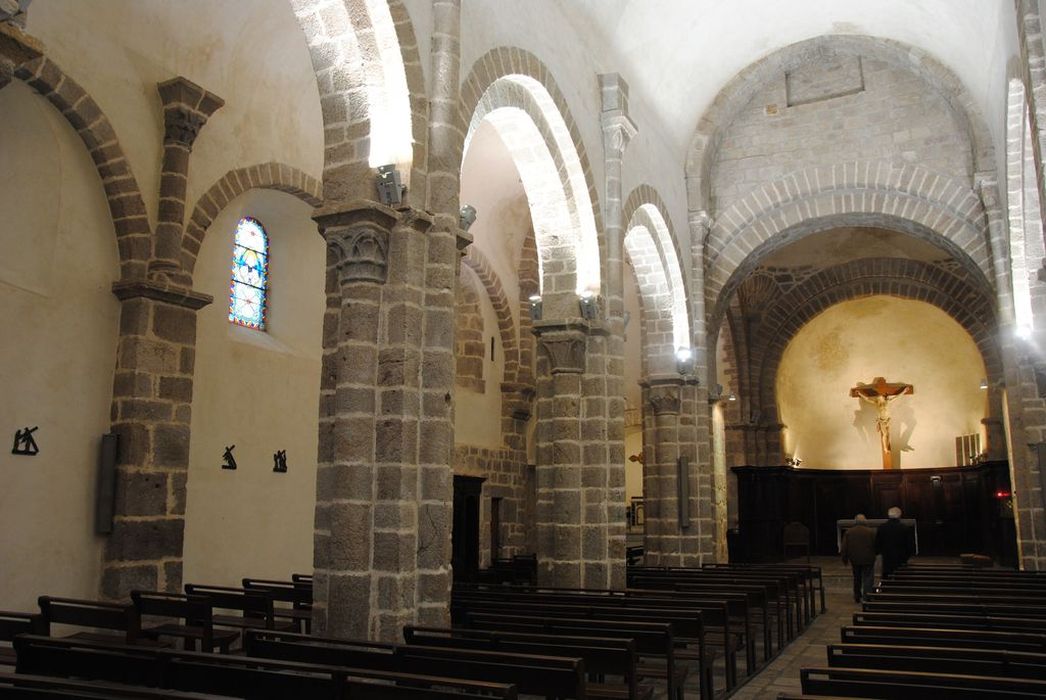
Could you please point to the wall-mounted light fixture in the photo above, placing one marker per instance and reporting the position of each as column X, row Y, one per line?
column 589, row 305
column 1023, row 332
column 467, row 216
column 535, row 307
column 390, row 186
column 684, row 361
column 984, row 384
column 732, row 397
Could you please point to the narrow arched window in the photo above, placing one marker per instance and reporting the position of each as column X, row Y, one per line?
column 250, row 275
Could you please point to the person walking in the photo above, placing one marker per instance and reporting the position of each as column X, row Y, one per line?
column 894, row 542
column 859, row 551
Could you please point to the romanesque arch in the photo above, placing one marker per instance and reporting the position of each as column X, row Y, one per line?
column 268, row 176
column 516, row 92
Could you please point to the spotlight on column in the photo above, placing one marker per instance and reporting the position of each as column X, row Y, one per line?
column 1024, row 332
column 732, row 397
column 984, row 384
column 467, row 216
column 684, row 361
column 589, row 305
column 390, row 187
column 535, row 307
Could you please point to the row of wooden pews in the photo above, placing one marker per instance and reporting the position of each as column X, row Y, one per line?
column 505, row 640
column 941, row 632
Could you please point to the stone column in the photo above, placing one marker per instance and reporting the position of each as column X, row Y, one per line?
column 578, row 544
column 700, row 427
column 186, row 108
column 16, row 47
column 382, row 538
column 151, row 412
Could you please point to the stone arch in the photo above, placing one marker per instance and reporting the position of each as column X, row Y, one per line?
column 478, row 263
column 736, row 94
column 516, row 92
column 267, row 176
column 357, row 47
column 126, row 206
column 1025, row 222
column 650, row 246
column 909, row 199
column 952, row 291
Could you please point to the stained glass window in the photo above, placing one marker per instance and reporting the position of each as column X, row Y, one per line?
column 250, row 275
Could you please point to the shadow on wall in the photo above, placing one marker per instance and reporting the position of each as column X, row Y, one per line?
column 902, row 427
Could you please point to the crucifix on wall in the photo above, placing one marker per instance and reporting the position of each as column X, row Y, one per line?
column 880, row 393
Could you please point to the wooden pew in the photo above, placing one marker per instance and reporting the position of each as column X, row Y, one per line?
column 811, row 576
column 914, row 619
column 912, row 685
column 17, row 686
column 13, row 624
column 688, row 620
column 955, row 607
column 924, row 636
column 239, row 676
column 603, row 656
column 655, row 643
column 256, row 608
column 299, row 595
column 192, row 622
column 953, row 660
column 118, row 617
column 711, row 605
column 533, row 674
column 783, row 590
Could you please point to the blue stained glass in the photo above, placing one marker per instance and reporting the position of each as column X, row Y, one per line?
column 250, row 275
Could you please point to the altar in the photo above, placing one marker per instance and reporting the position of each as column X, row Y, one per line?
column 841, row 526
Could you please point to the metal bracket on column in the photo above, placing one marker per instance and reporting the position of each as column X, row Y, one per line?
column 683, row 486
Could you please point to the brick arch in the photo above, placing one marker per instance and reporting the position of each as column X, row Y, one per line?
column 345, row 54
column 963, row 297
column 909, row 199
column 126, row 206
column 728, row 103
column 267, row 176
column 646, row 194
column 651, row 248
column 488, row 277
column 507, row 79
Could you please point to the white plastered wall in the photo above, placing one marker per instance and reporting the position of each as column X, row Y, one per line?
column 259, row 391
column 58, row 260
column 251, row 54
column 901, row 340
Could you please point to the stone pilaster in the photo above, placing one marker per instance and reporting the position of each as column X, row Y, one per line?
column 151, row 412
column 16, row 48
column 383, row 492
column 186, row 108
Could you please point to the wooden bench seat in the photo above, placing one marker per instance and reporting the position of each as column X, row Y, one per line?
column 536, row 674
column 655, row 643
column 297, row 593
column 913, row 685
column 19, row 686
column 191, row 620
column 922, row 636
column 954, row 660
column 239, row 676
column 256, row 609
column 119, row 619
column 13, row 624
column 603, row 656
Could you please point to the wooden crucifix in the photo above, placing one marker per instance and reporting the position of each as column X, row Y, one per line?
column 880, row 393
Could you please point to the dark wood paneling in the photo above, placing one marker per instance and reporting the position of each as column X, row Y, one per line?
column 957, row 508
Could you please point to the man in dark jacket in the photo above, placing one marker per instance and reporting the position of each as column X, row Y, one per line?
column 894, row 542
column 859, row 551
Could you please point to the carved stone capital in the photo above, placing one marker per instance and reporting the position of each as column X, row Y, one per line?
column 700, row 224
column 618, row 131
column 361, row 253
column 186, row 108
column 664, row 394
column 565, row 346
column 987, row 187
column 462, row 239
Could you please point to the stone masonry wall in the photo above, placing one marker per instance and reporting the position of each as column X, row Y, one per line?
column 469, row 348
column 505, row 471
column 881, row 113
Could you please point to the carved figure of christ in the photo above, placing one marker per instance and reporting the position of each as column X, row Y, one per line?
column 880, row 393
